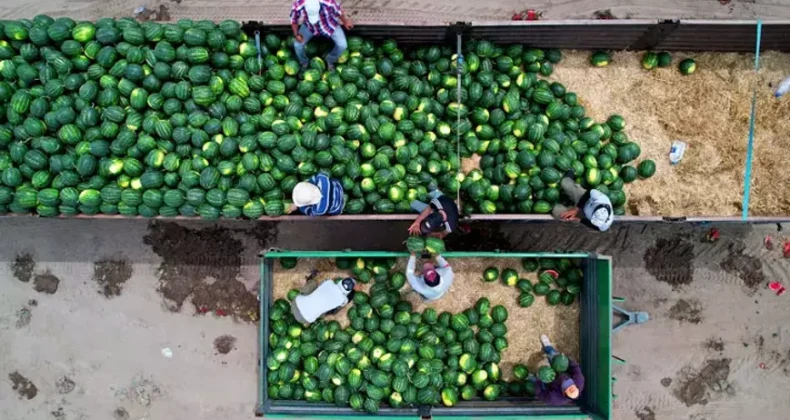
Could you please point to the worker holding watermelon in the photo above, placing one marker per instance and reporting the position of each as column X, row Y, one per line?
column 591, row 207
column 562, row 382
column 438, row 218
column 319, row 18
column 435, row 279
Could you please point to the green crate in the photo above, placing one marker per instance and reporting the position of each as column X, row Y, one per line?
column 595, row 343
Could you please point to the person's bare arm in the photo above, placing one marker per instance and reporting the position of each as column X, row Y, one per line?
column 295, row 24
column 344, row 19
column 414, row 229
column 572, row 215
column 295, row 28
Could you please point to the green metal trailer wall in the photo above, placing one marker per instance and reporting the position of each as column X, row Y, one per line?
column 595, row 343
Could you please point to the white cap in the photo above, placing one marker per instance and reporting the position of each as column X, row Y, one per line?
column 306, row 194
column 313, row 9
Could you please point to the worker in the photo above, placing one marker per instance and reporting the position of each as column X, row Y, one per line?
column 316, row 300
column 434, row 281
column 591, row 207
column 566, row 387
column 438, row 218
column 319, row 196
column 311, row 18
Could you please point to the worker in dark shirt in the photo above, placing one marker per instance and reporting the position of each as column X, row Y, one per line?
column 566, row 387
column 438, row 218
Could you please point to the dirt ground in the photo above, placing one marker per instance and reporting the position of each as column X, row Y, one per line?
column 716, row 344
column 409, row 11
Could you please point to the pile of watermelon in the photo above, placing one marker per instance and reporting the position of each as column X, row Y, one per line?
column 390, row 354
column 151, row 119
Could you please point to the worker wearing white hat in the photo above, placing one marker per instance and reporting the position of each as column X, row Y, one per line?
column 320, row 196
column 591, row 207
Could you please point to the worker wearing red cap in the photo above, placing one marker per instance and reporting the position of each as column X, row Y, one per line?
column 435, row 279
column 566, row 387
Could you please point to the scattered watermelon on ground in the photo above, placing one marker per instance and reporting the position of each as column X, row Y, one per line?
column 491, row 274
column 600, row 59
column 649, row 60
column 687, row 66
column 664, row 59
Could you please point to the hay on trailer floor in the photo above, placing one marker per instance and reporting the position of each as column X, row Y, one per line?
column 709, row 110
column 560, row 323
column 770, row 176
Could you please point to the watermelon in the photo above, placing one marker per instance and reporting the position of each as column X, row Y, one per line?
column 490, row 274
column 509, row 277
column 649, row 60
column 559, row 362
column 664, row 59
column 553, row 297
column 434, row 246
column 687, row 66
column 499, row 313
column 546, row 374
column 520, row 372
column 415, row 244
column 600, row 59
column 646, row 168
column 526, row 299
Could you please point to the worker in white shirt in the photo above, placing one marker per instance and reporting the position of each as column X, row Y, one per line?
column 317, row 299
column 435, row 279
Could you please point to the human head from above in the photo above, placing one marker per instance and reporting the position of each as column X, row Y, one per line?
column 432, row 278
column 306, row 194
column 569, row 389
column 432, row 223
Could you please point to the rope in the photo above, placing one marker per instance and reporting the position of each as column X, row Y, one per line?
column 747, row 177
column 459, row 60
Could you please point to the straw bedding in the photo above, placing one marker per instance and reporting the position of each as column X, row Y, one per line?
column 709, row 110
column 560, row 323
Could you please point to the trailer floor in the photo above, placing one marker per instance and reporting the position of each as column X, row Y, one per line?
column 408, row 11
column 717, row 344
column 525, row 325
column 708, row 110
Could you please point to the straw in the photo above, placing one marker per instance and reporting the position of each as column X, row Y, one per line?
column 710, row 111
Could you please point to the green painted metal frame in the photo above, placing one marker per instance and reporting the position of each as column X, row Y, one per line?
column 596, row 358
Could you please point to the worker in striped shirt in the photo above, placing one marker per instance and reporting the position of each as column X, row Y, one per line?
column 311, row 18
column 320, row 196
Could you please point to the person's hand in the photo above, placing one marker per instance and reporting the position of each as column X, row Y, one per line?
column 348, row 24
column 570, row 215
column 444, row 215
column 299, row 38
column 292, row 208
column 414, row 229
